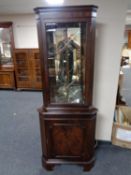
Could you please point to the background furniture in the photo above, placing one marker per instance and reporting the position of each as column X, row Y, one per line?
column 7, row 77
column 129, row 39
column 27, row 68
column 6, row 55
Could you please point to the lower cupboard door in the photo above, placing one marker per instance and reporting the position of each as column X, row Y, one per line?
column 66, row 140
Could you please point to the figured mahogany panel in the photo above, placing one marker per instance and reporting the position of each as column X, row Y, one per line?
column 67, row 140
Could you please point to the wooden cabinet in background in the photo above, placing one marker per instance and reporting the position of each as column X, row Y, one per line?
column 6, row 55
column 129, row 39
column 36, row 71
column 27, row 69
column 7, row 77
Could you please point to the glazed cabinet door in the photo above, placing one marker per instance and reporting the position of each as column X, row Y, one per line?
column 22, row 68
column 27, row 68
column 35, row 69
column 66, row 62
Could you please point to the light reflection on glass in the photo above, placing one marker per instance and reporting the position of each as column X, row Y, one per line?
column 5, row 46
column 65, row 61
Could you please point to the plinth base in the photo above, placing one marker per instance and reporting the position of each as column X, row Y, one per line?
column 50, row 163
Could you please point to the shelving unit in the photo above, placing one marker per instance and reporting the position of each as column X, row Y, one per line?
column 27, row 69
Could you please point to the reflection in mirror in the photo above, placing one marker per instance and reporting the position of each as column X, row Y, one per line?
column 121, row 130
column 66, row 62
column 5, row 44
column 123, row 103
column 125, row 76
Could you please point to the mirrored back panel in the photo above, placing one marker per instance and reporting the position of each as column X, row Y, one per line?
column 6, row 43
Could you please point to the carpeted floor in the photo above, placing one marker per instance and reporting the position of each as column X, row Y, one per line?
column 20, row 148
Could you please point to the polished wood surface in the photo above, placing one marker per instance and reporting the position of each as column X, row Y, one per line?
column 68, row 138
column 67, row 130
column 27, row 69
column 129, row 39
column 7, row 77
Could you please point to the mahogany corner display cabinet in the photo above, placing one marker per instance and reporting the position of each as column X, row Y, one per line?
column 67, row 117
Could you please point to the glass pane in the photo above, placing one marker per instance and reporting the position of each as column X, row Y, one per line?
column 5, row 46
column 66, row 61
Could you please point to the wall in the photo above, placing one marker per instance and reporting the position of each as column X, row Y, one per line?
column 109, row 40
column 24, row 28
